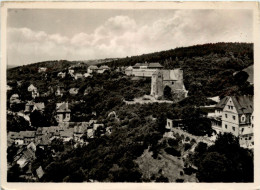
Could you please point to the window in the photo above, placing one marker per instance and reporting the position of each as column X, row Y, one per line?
column 172, row 82
column 242, row 129
column 169, row 123
column 234, row 117
column 243, row 118
column 226, row 126
column 234, row 129
column 249, row 138
column 226, row 115
column 252, row 125
column 231, row 107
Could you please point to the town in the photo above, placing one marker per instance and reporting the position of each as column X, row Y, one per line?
column 74, row 109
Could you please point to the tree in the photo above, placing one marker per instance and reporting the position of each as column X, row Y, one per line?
column 17, row 123
column 214, row 168
column 38, row 119
column 226, row 161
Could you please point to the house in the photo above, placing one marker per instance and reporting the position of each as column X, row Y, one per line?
column 86, row 75
column 67, row 134
column 61, row 74
column 31, row 88
column 14, row 137
column 74, row 91
column 92, row 69
column 147, row 66
column 25, row 157
column 52, row 131
column 60, row 91
column 236, row 114
column 129, row 71
column 35, row 94
column 102, row 69
column 14, row 99
column 78, row 76
column 71, row 72
column 34, row 91
column 90, row 133
column 62, row 112
column 32, row 106
column 143, row 69
column 42, row 69
column 79, row 130
column 43, row 141
column 28, row 136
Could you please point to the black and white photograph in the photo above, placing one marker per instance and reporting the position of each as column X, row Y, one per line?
column 128, row 93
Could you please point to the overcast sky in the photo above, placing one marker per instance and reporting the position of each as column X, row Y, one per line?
column 40, row 35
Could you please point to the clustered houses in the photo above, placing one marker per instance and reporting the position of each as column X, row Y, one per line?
column 29, row 141
column 235, row 114
column 34, row 91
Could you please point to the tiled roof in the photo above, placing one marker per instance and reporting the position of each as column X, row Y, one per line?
column 67, row 133
column 250, row 72
column 243, row 104
column 40, row 106
column 155, row 65
column 222, row 103
column 47, row 130
column 63, row 108
column 28, row 134
column 43, row 140
column 129, row 68
column 138, row 65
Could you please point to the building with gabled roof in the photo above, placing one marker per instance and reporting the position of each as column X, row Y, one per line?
column 31, row 88
column 92, row 69
column 78, row 76
column 62, row 112
column 32, row 106
column 61, row 74
column 74, row 91
column 235, row 116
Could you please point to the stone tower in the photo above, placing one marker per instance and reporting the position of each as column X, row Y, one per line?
column 168, row 78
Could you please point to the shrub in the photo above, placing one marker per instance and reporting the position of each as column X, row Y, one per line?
column 173, row 151
column 180, row 180
column 187, row 146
